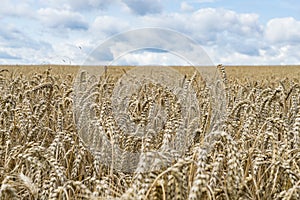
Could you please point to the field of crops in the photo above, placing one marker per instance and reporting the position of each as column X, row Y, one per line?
column 46, row 152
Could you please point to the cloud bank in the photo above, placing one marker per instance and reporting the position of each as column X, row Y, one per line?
column 54, row 31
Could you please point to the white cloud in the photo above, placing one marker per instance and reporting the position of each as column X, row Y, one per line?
column 10, row 8
column 229, row 37
column 159, row 41
column 62, row 19
column 79, row 5
column 106, row 26
column 13, row 37
column 283, row 30
column 150, row 58
column 89, row 4
column 216, row 20
column 283, row 56
column 210, row 26
column 203, row 1
column 185, row 7
column 4, row 55
column 143, row 7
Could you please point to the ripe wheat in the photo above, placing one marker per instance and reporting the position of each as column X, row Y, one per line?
column 254, row 155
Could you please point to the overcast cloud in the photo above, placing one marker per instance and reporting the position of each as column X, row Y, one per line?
column 66, row 31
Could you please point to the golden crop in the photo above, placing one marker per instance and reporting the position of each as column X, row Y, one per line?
column 254, row 155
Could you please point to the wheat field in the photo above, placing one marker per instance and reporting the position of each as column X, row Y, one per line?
column 255, row 154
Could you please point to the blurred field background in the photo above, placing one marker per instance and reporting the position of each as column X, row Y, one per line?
column 257, row 72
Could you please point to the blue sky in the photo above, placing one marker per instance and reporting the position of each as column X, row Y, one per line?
column 230, row 32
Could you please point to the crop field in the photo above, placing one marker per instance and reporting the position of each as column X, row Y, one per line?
column 58, row 136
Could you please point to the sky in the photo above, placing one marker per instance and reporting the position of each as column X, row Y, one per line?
column 230, row 32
